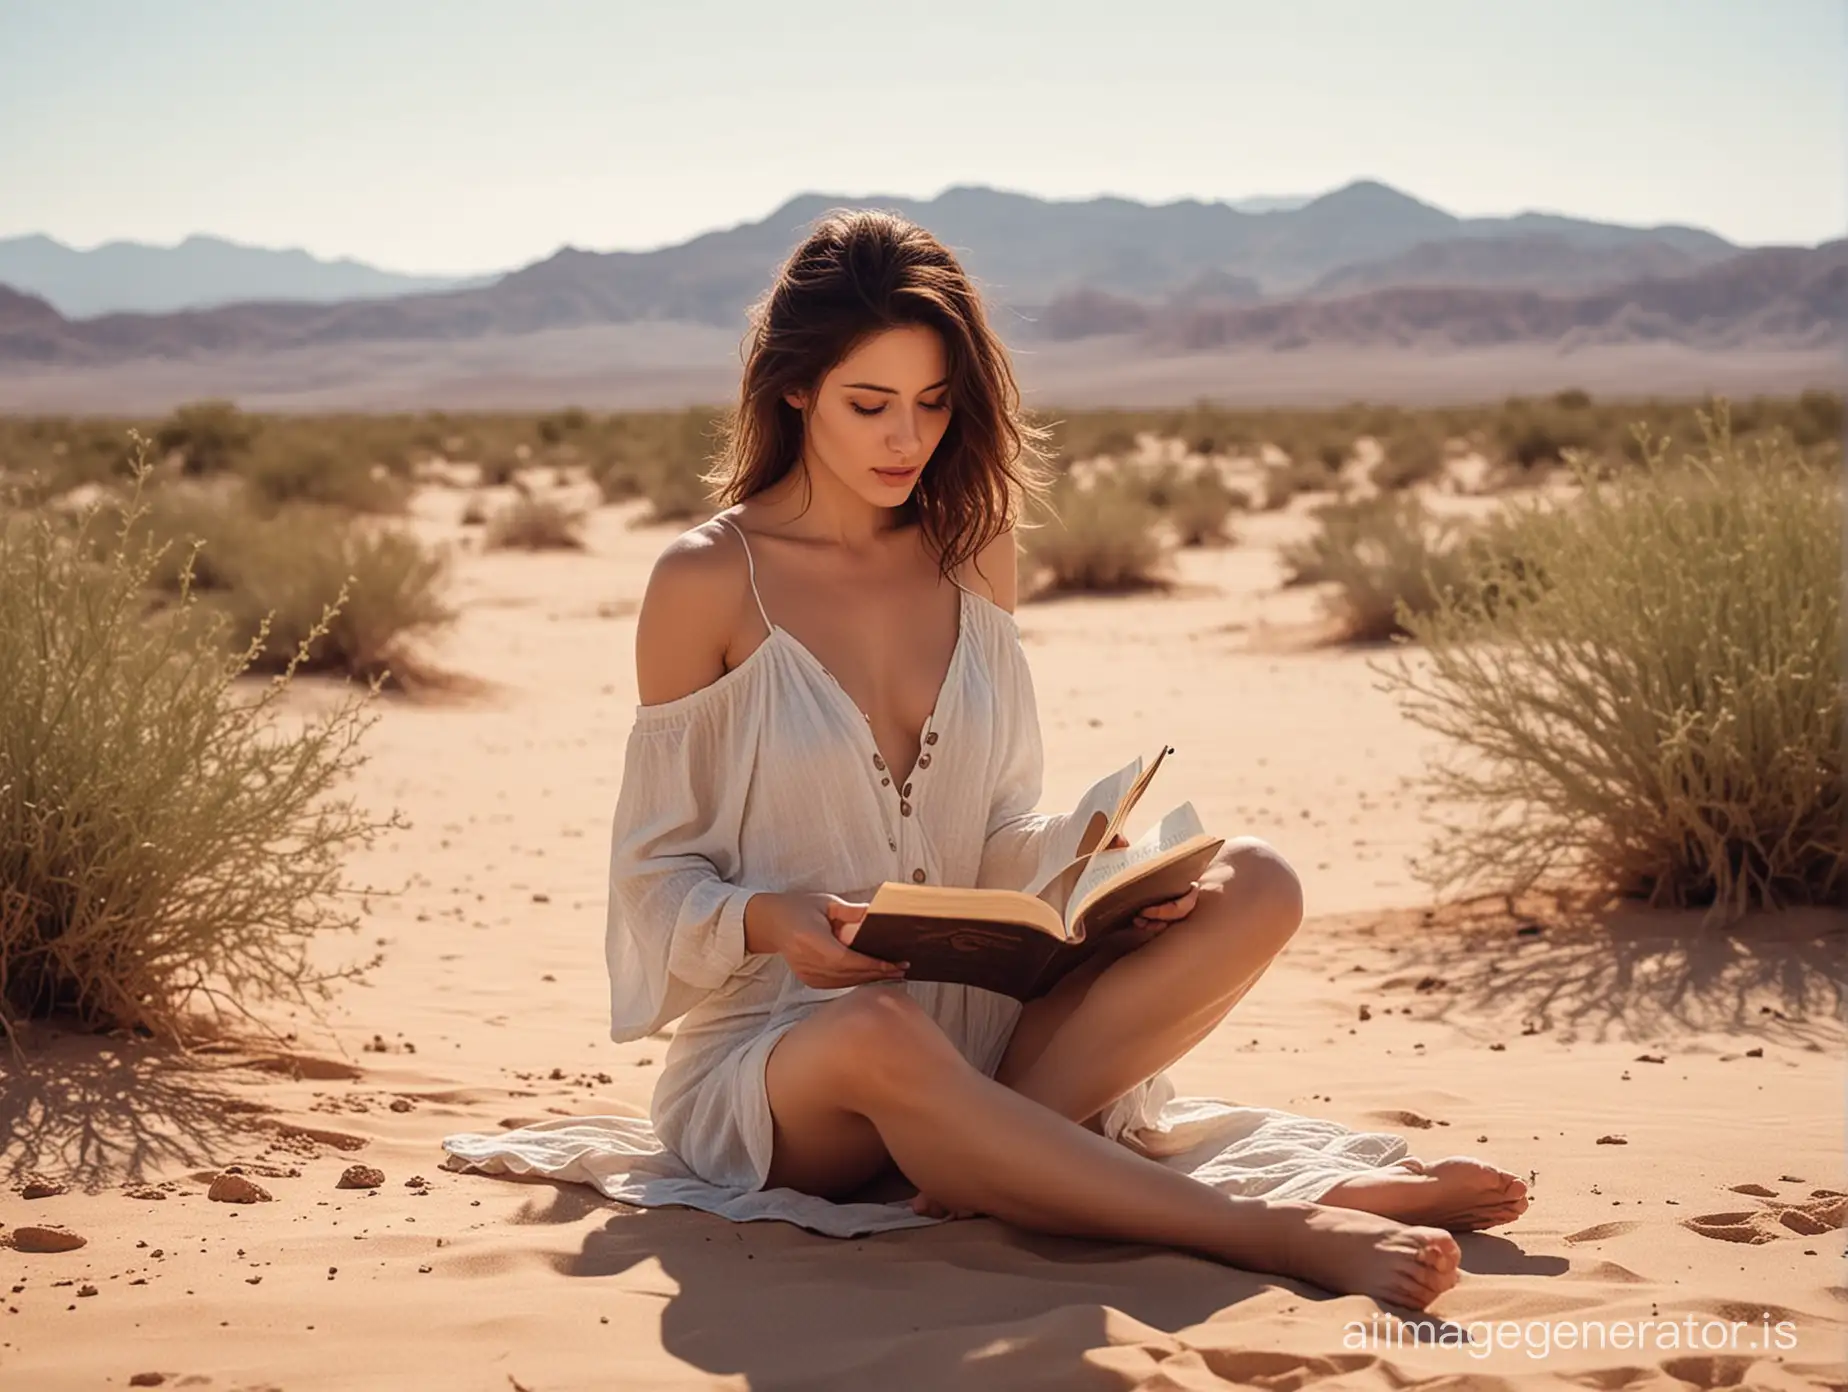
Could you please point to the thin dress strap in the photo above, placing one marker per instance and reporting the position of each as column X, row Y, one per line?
column 750, row 561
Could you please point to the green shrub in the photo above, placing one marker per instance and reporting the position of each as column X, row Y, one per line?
column 1661, row 716
column 536, row 524
column 1100, row 538
column 161, row 841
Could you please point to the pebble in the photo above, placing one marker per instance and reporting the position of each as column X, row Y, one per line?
column 42, row 1189
column 234, row 1188
column 360, row 1177
column 31, row 1239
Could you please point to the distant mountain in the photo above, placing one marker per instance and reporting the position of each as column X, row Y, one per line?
column 1774, row 297
column 199, row 273
column 1549, row 261
column 1179, row 271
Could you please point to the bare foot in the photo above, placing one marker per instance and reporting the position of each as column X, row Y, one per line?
column 1354, row 1253
column 1459, row 1193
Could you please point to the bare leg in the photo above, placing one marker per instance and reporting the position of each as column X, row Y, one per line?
column 1108, row 1027
column 1101, row 1032
column 873, row 1066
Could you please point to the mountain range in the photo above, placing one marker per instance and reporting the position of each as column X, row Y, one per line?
column 1363, row 266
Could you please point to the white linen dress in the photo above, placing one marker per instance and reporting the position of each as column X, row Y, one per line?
column 769, row 779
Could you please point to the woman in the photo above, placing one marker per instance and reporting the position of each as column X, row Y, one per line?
column 833, row 694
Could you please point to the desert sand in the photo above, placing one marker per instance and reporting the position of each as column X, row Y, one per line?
column 1674, row 1097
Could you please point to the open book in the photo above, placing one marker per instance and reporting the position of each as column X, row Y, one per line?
column 1021, row 944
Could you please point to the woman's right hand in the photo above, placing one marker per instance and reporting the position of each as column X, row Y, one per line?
column 804, row 930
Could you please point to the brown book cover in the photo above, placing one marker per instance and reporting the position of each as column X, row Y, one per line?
column 1022, row 944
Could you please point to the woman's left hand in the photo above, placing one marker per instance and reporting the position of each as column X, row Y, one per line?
column 1150, row 921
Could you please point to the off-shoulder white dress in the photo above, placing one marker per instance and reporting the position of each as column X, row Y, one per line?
column 769, row 779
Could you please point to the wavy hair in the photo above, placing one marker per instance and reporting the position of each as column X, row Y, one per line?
column 859, row 273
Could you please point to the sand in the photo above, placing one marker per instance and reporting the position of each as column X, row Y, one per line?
column 1675, row 1098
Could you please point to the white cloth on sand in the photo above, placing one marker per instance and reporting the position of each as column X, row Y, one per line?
column 770, row 778
column 1250, row 1152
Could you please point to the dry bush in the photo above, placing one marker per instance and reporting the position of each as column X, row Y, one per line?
column 1200, row 507
column 209, row 436
column 1386, row 557
column 1102, row 536
column 334, row 472
column 1661, row 715
column 1411, row 457
column 161, row 839
column 389, row 584
column 536, row 524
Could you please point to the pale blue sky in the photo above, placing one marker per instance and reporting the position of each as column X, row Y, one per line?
column 451, row 135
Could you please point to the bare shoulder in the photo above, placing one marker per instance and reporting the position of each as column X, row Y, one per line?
column 688, row 613
column 994, row 571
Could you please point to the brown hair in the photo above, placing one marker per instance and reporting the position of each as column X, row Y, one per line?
column 859, row 273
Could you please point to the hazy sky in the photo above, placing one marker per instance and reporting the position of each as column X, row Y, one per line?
column 449, row 135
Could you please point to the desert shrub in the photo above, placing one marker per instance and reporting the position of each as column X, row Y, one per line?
column 536, row 524
column 210, row 436
column 1386, row 557
column 388, row 585
column 1662, row 718
column 1283, row 482
column 308, row 470
column 1200, row 506
column 161, row 839
column 1102, row 537
column 1412, row 456
column 200, row 534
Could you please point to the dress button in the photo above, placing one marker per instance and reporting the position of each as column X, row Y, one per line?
column 906, row 790
column 904, row 809
column 917, row 876
column 931, row 738
column 923, row 761
column 878, row 762
column 885, row 782
column 891, row 845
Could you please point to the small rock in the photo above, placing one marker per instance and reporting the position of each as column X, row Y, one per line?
column 147, row 1379
column 234, row 1188
column 1365, row 1013
column 253, row 1280
column 1755, row 1053
column 1612, row 1140
column 416, row 1181
column 1650, row 1058
column 1497, row 1048
column 360, row 1177
column 42, row 1189
column 32, row 1239
column 147, row 1191
column 399, row 1104
column 542, row 898
column 86, row 1289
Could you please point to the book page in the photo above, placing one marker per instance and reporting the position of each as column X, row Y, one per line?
column 1181, row 824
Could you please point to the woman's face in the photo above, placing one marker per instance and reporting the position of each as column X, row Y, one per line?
column 879, row 413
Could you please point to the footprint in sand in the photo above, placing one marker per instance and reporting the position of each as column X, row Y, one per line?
column 1772, row 1222
column 1599, row 1232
